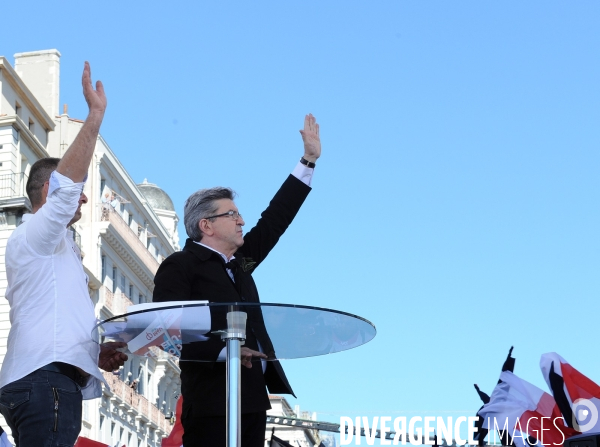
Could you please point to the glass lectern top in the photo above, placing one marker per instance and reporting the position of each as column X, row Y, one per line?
column 191, row 331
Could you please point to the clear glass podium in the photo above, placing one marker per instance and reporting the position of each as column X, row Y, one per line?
column 209, row 332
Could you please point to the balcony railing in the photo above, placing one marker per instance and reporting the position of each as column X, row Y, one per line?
column 12, row 185
column 77, row 240
column 76, row 237
column 109, row 214
column 137, row 402
column 117, row 303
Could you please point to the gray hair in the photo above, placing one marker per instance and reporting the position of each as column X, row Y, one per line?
column 202, row 204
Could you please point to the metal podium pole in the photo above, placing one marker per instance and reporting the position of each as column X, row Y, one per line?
column 234, row 337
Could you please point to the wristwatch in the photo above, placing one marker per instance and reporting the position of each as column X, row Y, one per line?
column 307, row 163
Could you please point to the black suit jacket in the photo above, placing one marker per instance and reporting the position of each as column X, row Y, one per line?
column 198, row 273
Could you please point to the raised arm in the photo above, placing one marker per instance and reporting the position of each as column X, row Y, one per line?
column 275, row 220
column 51, row 215
column 75, row 162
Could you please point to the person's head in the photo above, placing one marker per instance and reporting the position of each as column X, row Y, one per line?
column 39, row 181
column 223, row 233
column 39, row 177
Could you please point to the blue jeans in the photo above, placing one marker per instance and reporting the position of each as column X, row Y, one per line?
column 43, row 409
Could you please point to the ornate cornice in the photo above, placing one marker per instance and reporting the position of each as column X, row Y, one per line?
column 139, row 263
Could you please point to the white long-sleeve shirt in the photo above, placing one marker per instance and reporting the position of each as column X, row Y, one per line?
column 51, row 313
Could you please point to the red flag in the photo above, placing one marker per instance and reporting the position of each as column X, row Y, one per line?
column 576, row 395
column 85, row 442
column 175, row 439
column 525, row 412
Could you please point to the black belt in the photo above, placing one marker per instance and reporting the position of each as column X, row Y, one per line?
column 67, row 370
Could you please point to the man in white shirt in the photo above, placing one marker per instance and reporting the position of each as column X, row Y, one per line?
column 52, row 362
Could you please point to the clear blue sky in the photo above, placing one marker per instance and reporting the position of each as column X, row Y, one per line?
column 455, row 204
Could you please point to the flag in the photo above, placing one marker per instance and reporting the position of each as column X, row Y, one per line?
column 528, row 413
column 482, row 395
column 85, row 442
column 175, row 439
column 577, row 396
column 509, row 363
column 481, row 433
column 276, row 442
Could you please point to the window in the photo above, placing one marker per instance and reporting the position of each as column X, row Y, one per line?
column 31, row 125
column 141, row 298
column 17, row 109
column 122, row 283
column 114, row 280
column 130, row 220
column 103, row 258
column 85, row 412
column 102, row 185
column 130, row 291
column 141, row 377
column 102, row 419
column 128, row 376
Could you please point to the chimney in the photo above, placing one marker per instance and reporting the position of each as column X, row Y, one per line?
column 40, row 71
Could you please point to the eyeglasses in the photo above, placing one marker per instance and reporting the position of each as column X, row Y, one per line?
column 233, row 214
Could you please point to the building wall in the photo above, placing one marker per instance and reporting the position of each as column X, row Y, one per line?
column 40, row 70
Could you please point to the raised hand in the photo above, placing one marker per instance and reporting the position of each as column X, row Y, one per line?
column 75, row 162
column 310, row 136
column 96, row 99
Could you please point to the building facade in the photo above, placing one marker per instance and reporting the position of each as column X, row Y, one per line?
column 125, row 232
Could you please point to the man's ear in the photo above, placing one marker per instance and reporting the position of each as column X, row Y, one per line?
column 42, row 198
column 205, row 227
column 44, row 192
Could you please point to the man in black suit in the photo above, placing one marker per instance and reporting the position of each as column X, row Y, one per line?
column 216, row 265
